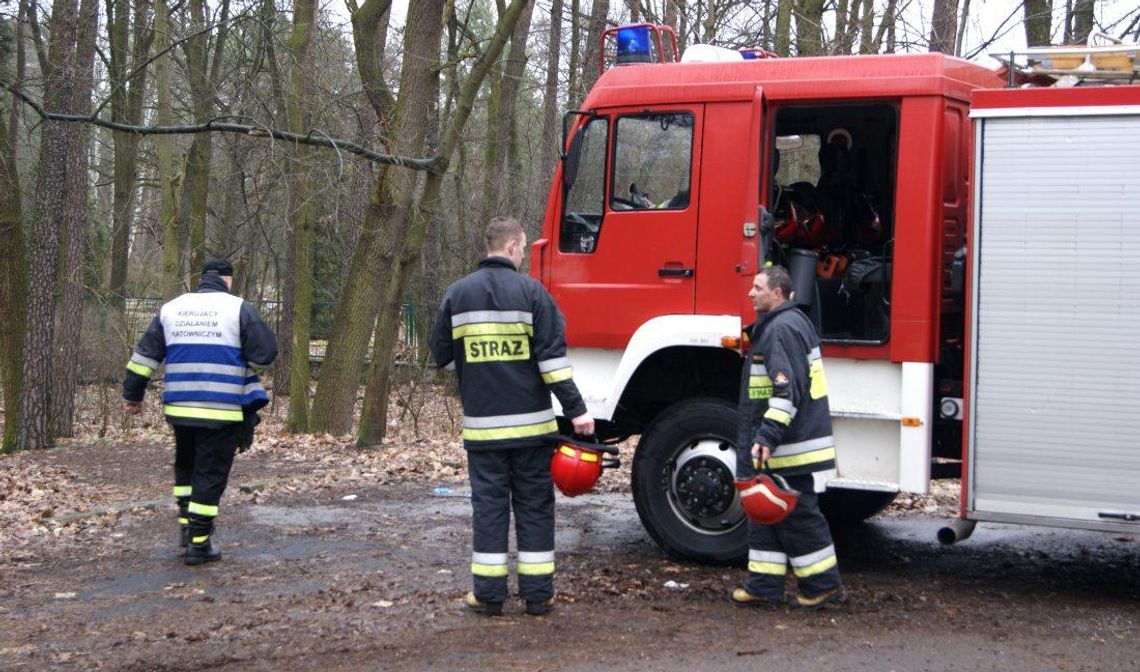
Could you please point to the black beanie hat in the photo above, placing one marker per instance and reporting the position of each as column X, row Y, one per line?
column 218, row 267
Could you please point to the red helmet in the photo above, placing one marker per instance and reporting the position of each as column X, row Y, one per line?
column 767, row 498
column 576, row 465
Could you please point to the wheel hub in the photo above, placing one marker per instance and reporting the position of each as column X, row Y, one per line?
column 702, row 486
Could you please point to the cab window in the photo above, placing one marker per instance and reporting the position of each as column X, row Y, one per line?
column 652, row 155
column 582, row 210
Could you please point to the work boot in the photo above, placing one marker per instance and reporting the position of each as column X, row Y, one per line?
column 482, row 608
column 201, row 547
column 816, row 602
column 742, row 598
column 539, row 607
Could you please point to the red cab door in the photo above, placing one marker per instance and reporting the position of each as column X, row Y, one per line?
column 626, row 238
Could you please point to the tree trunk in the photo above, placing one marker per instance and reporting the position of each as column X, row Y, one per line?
column 36, row 357
column 498, row 194
column 127, row 93
column 867, row 30
column 809, row 28
column 1038, row 22
column 574, row 86
column 1083, row 20
column 590, row 73
column 73, row 231
column 13, row 285
column 784, row 28
column 168, row 180
column 382, row 233
column 374, row 413
column 550, row 150
column 944, row 26
column 299, row 105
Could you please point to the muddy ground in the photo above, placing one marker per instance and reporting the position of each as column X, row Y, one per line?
column 347, row 565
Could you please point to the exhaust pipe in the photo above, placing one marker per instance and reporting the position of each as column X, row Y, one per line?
column 959, row 529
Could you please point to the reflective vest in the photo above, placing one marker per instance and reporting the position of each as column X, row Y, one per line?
column 209, row 375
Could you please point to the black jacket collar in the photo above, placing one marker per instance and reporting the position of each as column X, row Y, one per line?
column 496, row 262
column 767, row 317
column 212, row 283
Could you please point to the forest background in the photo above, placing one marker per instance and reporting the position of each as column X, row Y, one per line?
column 343, row 159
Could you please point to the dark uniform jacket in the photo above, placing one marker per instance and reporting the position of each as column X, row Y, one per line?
column 507, row 341
column 212, row 344
column 783, row 395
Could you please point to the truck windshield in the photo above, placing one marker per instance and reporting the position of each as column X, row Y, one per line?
column 652, row 153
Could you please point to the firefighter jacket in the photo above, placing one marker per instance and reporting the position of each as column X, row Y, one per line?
column 506, row 339
column 212, row 343
column 783, row 395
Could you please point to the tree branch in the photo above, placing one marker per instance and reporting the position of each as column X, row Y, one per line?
column 314, row 138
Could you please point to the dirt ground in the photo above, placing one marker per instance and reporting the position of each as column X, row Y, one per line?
column 336, row 560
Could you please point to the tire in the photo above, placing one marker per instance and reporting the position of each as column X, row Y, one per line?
column 702, row 522
column 844, row 507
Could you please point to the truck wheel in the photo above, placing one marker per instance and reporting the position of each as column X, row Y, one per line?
column 844, row 507
column 683, row 474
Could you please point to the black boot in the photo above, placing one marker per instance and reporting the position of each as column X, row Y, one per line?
column 201, row 547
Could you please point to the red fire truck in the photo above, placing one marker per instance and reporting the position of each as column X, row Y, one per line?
column 681, row 179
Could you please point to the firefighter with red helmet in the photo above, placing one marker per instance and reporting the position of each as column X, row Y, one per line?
column 505, row 337
column 785, row 428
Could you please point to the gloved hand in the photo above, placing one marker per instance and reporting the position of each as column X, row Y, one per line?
column 250, row 419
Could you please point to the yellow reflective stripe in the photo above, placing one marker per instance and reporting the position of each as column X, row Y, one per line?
column 144, row 371
column 479, row 569
column 818, row 380
column 203, row 509
column 491, row 329
column 558, row 375
column 203, row 413
column 199, row 540
column 588, row 456
column 759, row 387
column 803, row 458
column 816, row 567
column 183, row 521
column 758, row 567
column 782, row 417
column 182, row 491
column 516, row 432
column 535, row 568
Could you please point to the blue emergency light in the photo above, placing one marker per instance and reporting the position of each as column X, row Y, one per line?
column 633, row 45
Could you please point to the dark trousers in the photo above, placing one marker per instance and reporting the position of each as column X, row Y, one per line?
column 802, row 540
column 502, row 480
column 203, row 457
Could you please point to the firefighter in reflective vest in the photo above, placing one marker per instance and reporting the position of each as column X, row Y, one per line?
column 213, row 344
column 505, row 337
column 785, row 425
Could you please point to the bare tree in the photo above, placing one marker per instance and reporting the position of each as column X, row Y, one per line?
column 1038, row 22
column 943, row 26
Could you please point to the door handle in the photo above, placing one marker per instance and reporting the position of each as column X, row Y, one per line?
column 675, row 272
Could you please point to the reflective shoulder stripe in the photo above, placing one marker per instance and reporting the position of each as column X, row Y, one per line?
column 144, row 371
column 193, row 412
column 473, row 316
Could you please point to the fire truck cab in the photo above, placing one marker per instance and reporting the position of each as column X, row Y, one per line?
column 680, row 180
